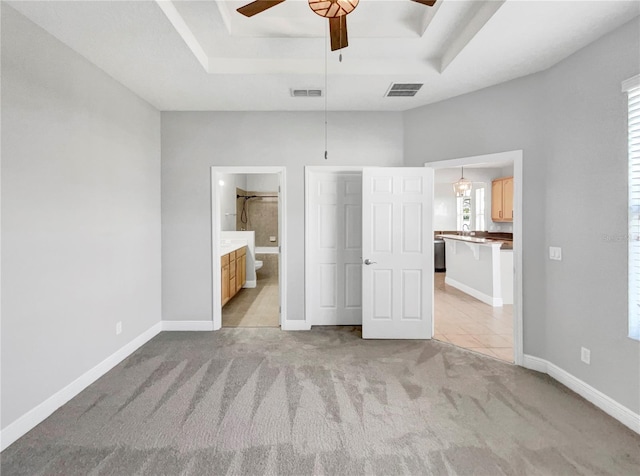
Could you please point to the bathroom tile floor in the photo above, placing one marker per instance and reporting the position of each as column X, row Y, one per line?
column 259, row 306
column 464, row 321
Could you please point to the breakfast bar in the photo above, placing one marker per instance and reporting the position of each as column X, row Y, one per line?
column 474, row 266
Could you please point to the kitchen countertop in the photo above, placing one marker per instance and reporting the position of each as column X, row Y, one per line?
column 504, row 244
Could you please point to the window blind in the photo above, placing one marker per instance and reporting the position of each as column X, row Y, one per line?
column 634, row 210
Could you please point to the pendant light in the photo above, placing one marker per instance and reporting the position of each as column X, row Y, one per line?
column 463, row 186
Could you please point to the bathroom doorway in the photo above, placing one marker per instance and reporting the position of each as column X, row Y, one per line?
column 248, row 225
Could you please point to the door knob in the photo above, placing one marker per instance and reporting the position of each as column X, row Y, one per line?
column 368, row 262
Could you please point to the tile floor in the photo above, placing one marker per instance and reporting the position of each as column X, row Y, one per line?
column 464, row 321
column 259, row 306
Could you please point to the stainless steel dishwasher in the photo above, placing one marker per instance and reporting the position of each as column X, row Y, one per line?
column 439, row 259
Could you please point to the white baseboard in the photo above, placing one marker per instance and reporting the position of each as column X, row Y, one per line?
column 485, row 298
column 250, row 284
column 299, row 325
column 535, row 363
column 187, row 325
column 39, row 413
column 599, row 399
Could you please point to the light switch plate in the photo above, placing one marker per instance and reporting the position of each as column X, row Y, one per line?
column 555, row 253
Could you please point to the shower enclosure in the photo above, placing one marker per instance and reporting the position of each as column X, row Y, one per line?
column 258, row 212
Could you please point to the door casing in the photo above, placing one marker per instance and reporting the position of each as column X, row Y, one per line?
column 516, row 156
column 216, row 214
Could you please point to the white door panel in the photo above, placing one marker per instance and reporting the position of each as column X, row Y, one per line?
column 397, row 287
column 335, row 242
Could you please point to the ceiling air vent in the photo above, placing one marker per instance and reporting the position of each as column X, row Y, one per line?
column 306, row 93
column 403, row 89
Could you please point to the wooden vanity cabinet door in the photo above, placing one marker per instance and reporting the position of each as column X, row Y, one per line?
column 226, row 294
column 244, row 269
column 241, row 271
column 232, row 274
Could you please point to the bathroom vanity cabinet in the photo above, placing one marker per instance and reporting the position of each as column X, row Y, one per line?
column 233, row 272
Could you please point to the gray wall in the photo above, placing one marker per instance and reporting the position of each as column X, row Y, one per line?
column 80, row 215
column 571, row 123
column 586, row 189
column 497, row 119
column 192, row 142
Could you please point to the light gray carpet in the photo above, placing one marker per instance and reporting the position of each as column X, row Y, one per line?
column 263, row 401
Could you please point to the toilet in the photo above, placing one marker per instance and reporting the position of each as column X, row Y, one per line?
column 258, row 264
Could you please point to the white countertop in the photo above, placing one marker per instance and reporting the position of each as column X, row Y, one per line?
column 472, row 239
column 227, row 246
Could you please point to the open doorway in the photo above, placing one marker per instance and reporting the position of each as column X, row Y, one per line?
column 478, row 254
column 247, row 246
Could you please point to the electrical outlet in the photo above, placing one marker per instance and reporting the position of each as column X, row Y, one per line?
column 118, row 328
column 272, row 239
column 585, row 355
column 555, row 253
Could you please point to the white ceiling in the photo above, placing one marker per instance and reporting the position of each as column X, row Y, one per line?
column 203, row 55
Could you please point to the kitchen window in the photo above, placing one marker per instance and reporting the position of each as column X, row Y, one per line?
column 480, row 223
column 632, row 88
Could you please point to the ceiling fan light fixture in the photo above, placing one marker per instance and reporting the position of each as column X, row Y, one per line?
column 462, row 187
column 333, row 8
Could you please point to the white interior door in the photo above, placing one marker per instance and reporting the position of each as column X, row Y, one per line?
column 335, row 248
column 397, row 247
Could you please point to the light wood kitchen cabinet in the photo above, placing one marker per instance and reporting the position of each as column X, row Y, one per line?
column 233, row 273
column 502, row 199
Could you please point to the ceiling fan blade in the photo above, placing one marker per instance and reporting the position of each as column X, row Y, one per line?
column 258, row 6
column 428, row 3
column 338, row 32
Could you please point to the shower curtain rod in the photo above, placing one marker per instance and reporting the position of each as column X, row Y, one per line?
column 247, row 197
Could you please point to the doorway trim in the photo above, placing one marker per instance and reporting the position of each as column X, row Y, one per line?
column 517, row 157
column 216, row 215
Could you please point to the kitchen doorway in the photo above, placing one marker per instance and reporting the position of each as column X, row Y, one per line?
column 248, row 246
column 478, row 289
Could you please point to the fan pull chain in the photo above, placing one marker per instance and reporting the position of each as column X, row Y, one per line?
column 326, row 148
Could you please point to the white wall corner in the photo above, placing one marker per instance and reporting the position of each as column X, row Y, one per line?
column 295, row 325
column 187, row 325
column 38, row 414
column 607, row 404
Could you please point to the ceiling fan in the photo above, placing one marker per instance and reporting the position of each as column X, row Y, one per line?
column 335, row 10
